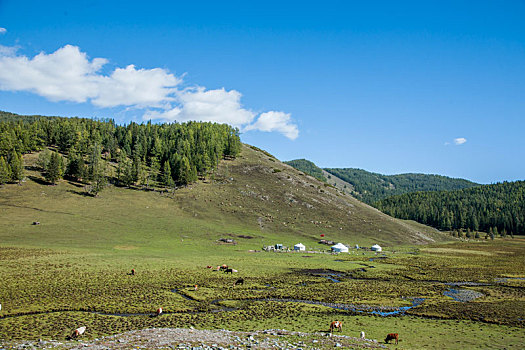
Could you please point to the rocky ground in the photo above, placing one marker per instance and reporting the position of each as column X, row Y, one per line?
column 182, row 338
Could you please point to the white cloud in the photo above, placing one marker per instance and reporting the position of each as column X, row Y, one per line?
column 8, row 50
column 3, row 30
column 276, row 121
column 460, row 141
column 213, row 105
column 131, row 87
column 68, row 74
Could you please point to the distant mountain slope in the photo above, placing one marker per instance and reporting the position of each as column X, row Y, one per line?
column 253, row 197
column 371, row 187
column 498, row 208
column 307, row 167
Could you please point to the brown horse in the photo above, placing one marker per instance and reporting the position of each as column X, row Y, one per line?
column 336, row 325
column 77, row 332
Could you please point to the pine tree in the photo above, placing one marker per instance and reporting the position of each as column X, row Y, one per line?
column 54, row 170
column 5, row 172
column 16, row 165
column 121, row 165
column 128, row 174
column 94, row 161
column 475, row 223
column 187, row 173
column 76, row 167
column 167, row 179
column 155, row 169
column 99, row 179
column 43, row 159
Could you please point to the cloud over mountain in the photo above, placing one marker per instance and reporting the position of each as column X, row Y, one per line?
column 68, row 74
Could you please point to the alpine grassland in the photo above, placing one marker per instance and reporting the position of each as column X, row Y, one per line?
column 73, row 268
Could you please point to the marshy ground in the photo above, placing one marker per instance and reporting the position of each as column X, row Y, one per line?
column 47, row 293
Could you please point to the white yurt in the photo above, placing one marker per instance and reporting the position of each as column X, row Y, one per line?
column 376, row 248
column 299, row 246
column 339, row 248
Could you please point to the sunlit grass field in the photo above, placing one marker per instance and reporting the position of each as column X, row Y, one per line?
column 47, row 292
column 74, row 267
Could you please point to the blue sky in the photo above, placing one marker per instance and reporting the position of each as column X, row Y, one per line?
column 391, row 87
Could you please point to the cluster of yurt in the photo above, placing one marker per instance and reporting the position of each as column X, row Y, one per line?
column 299, row 247
column 339, row 248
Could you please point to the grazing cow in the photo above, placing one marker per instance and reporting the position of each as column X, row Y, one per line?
column 392, row 336
column 336, row 325
column 159, row 311
column 239, row 281
column 208, row 267
column 362, row 335
column 132, row 272
column 78, row 332
column 228, row 270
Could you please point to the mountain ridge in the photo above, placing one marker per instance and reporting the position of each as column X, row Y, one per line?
column 371, row 187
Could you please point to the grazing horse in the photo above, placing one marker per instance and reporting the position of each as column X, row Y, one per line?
column 392, row 336
column 77, row 332
column 336, row 325
column 239, row 281
column 159, row 311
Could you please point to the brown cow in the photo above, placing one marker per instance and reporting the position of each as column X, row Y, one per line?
column 336, row 325
column 159, row 311
column 392, row 336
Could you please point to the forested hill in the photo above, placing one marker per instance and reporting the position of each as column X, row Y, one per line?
column 138, row 153
column 307, row 167
column 372, row 187
column 497, row 208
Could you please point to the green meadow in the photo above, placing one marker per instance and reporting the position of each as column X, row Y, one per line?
column 74, row 267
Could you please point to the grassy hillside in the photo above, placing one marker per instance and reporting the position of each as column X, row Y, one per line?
column 253, row 195
column 371, row 187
